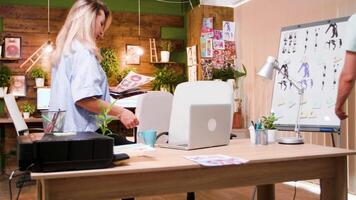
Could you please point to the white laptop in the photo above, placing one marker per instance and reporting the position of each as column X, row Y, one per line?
column 201, row 115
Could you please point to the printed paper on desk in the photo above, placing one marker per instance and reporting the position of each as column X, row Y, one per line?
column 132, row 80
column 216, row 160
column 137, row 149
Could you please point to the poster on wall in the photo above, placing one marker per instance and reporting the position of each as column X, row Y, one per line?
column 218, row 44
column 229, row 31
column 192, row 55
column 207, row 68
column 12, row 47
column 133, row 54
column 230, row 50
column 218, row 59
column 192, row 73
column 206, row 45
column 207, row 27
column 218, row 35
column 18, row 86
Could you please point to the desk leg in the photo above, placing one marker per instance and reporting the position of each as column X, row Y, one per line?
column 335, row 188
column 2, row 148
column 265, row 192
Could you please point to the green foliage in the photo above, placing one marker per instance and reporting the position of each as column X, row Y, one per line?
column 229, row 72
column 167, row 45
column 110, row 62
column 103, row 119
column 38, row 72
column 168, row 79
column 5, row 76
column 28, row 107
column 268, row 122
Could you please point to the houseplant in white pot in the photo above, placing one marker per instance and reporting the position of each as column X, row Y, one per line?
column 268, row 124
column 166, row 48
column 39, row 75
column 5, row 77
column 27, row 109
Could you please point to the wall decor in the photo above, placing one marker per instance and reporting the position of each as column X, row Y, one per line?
column 12, row 47
column 133, row 54
column 18, row 86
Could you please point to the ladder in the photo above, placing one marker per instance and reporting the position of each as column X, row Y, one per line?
column 33, row 59
column 153, row 50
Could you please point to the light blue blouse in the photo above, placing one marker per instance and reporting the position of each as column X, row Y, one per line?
column 351, row 34
column 78, row 75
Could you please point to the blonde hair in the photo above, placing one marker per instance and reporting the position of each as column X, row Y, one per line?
column 79, row 25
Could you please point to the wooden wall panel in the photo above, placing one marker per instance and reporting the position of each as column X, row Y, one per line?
column 258, row 25
column 30, row 23
column 194, row 24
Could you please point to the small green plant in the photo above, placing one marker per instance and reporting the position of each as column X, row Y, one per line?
column 5, row 76
column 28, row 107
column 167, row 45
column 103, row 119
column 38, row 72
column 268, row 121
column 168, row 79
column 123, row 73
column 228, row 72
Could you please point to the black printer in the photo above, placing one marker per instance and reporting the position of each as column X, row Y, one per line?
column 48, row 152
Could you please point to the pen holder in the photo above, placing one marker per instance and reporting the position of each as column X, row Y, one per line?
column 261, row 137
column 53, row 121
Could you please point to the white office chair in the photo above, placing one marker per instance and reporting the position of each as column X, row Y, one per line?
column 153, row 111
column 15, row 114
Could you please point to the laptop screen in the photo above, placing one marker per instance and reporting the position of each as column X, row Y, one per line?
column 43, row 96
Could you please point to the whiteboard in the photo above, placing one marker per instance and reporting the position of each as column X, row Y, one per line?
column 312, row 55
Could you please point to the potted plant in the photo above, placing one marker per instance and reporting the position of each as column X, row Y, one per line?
column 268, row 123
column 39, row 75
column 228, row 72
column 166, row 48
column 27, row 109
column 166, row 79
column 5, row 77
column 103, row 120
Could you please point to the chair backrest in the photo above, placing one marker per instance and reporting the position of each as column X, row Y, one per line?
column 15, row 114
column 153, row 112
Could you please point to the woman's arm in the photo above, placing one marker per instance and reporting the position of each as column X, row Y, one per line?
column 96, row 105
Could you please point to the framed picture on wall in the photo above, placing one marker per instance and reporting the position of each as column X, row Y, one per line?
column 133, row 54
column 12, row 47
column 18, row 86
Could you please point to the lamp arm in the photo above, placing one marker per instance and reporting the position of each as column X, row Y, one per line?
column 300, row 92
column 297, row 124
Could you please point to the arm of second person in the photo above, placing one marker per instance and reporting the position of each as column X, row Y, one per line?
column 95, row 105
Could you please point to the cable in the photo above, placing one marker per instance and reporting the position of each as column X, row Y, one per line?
column 10, row 179
column 295, row 190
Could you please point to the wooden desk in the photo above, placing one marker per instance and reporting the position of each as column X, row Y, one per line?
column 166, row 171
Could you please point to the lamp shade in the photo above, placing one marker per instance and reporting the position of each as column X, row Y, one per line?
column 266, row 71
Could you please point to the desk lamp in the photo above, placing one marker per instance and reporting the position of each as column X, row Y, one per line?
column 266, row 72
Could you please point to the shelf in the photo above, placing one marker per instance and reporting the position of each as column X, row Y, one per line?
column 10, row 59
column 163, row 62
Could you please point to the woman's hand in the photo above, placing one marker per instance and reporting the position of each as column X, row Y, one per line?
column 128, row 119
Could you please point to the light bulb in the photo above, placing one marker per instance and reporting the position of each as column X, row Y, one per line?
column 139, row 51
column 48, row 48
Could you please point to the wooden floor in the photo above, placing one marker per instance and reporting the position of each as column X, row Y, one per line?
column 283, row 192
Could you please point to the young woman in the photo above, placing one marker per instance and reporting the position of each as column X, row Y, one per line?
column 79, row 84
